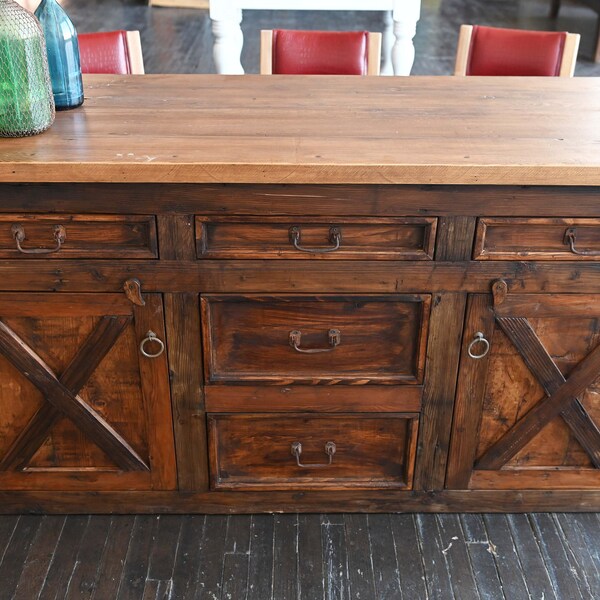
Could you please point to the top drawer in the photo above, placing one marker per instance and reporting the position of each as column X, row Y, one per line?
column 537, row 239
column 77, row 236
column 407, row 238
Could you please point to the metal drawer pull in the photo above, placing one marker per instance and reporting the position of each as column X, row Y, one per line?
column 334, row 335
column 571, row 238
column 152, row 338
column 335, row 237
column 329, row 450
column 479, row 339
column 18, row 232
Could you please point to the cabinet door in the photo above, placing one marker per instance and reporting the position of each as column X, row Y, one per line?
column 80, row 406
column 527, row 412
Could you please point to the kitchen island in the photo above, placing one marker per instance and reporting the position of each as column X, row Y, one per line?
column 246, row 294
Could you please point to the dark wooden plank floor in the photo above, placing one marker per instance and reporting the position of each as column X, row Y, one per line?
column 301, row 557
column 177, row 40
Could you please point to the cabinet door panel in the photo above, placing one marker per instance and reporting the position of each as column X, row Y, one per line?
column 528, row 413
column 80, row 407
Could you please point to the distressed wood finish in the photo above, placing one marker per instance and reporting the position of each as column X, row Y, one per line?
column 254, row 452
column 537, row 239
column 374, row 239
column 414, row 236
column 513, row 436
column 97, row 236
column 381, row 339
column 343, row 130
column 81, row 410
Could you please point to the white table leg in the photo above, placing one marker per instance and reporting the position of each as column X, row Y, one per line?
column 228, row 40
column 405, row 27
column 387, row 43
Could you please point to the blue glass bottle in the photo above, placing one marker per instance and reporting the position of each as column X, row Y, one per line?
column 63, row 55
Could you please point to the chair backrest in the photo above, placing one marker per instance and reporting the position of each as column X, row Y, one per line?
column 287, row 52
column 115, row 52
column 496, row 51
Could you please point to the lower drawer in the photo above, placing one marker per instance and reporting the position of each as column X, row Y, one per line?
column 297, row 451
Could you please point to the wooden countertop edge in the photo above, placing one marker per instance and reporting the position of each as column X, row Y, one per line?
column 435, row 174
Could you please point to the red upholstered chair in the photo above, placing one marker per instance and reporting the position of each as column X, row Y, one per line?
column 116, row 52
column 286, row 52
column 495, row 51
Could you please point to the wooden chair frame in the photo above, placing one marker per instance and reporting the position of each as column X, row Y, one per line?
column 567, row 65
column 266, row 52
column 136, row 57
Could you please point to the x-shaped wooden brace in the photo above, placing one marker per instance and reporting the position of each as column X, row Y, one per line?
column 62, row 396
column 561, row 397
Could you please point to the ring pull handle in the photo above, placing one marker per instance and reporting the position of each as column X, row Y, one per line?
column 330, row 450
column 18, row 233
column 152, row 338
column 334, row 336
column 335, row 238
column 479, row 339
column 571, row 238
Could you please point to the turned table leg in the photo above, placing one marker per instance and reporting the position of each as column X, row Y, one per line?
column 405, row 17
column 228, row 37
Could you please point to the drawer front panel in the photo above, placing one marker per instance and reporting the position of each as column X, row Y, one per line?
column 537, row 239
column 374, row 239
column 250, row 451
column 281, row 339
column 76, row 236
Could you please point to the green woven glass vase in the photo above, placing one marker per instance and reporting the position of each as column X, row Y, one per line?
column 26, row 101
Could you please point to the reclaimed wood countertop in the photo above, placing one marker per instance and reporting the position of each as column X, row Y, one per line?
column 322, row 130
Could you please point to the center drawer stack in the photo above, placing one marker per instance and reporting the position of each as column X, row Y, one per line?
column 314, row 390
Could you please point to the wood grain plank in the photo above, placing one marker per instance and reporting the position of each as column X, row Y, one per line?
column 285, row 557
column 39, row 558
column 508, row 564
column 235, row 575
column 349, row 277
column 164, row 547
column 360, row 565
column 264, row 144
column 16, row 553
column 481, row 553
column 182, row 322
column 386, row 573
column 443, row 352
column 469, row 393
column 437, row 577
column 87, row 570
column 114, row 556
column 335, row 557
column 58, row 577
column 209, row 583
column 566, row 580
column 534, row 568
column 135, row 567
column 260, row 567
column 455, row 552
column 408, row 556
column 187, row 559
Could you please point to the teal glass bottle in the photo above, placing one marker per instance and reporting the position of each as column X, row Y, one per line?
column 63, row 54
column 26, row 103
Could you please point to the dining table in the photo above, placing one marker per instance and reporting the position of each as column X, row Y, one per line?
column 400, row 22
